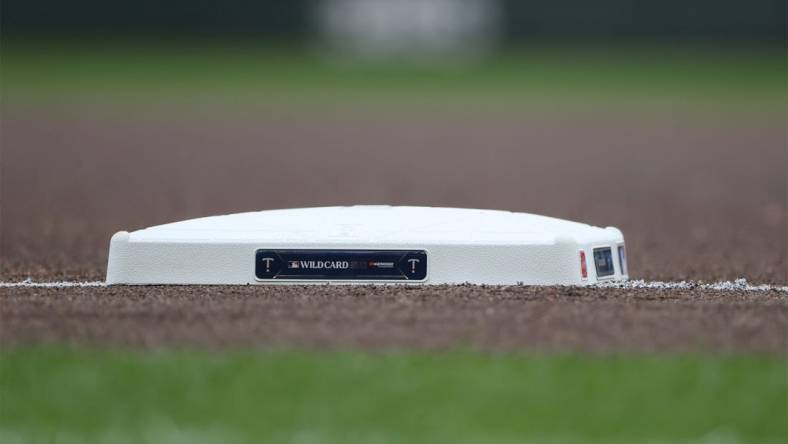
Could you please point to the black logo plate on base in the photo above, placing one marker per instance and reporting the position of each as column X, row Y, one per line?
column 360, row 265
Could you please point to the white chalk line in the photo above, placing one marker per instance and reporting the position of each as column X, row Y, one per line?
column 29, row 283
column 737, row 285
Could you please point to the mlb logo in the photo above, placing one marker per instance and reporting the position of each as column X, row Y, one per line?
column 293, row 264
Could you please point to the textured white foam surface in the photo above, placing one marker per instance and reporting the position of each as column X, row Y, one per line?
column 463, row 245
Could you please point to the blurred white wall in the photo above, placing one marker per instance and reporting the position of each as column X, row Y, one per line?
column 410, row 29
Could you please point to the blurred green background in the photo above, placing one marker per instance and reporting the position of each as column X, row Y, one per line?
column 522, row 77
column 445, row 52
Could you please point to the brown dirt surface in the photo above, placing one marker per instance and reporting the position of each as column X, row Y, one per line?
column 337, row 317
column 700, row 197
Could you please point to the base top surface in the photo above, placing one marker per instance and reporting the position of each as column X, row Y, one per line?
column 374, row 224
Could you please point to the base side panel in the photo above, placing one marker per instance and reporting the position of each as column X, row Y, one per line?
column 184, row 263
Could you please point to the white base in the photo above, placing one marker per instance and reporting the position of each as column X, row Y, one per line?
column 462, row 246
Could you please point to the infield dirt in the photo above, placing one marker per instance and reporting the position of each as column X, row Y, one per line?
column 484, row 318
column 698, row 197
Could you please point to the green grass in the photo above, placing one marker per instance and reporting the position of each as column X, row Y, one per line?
column 351, row 397
column 520, row 77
